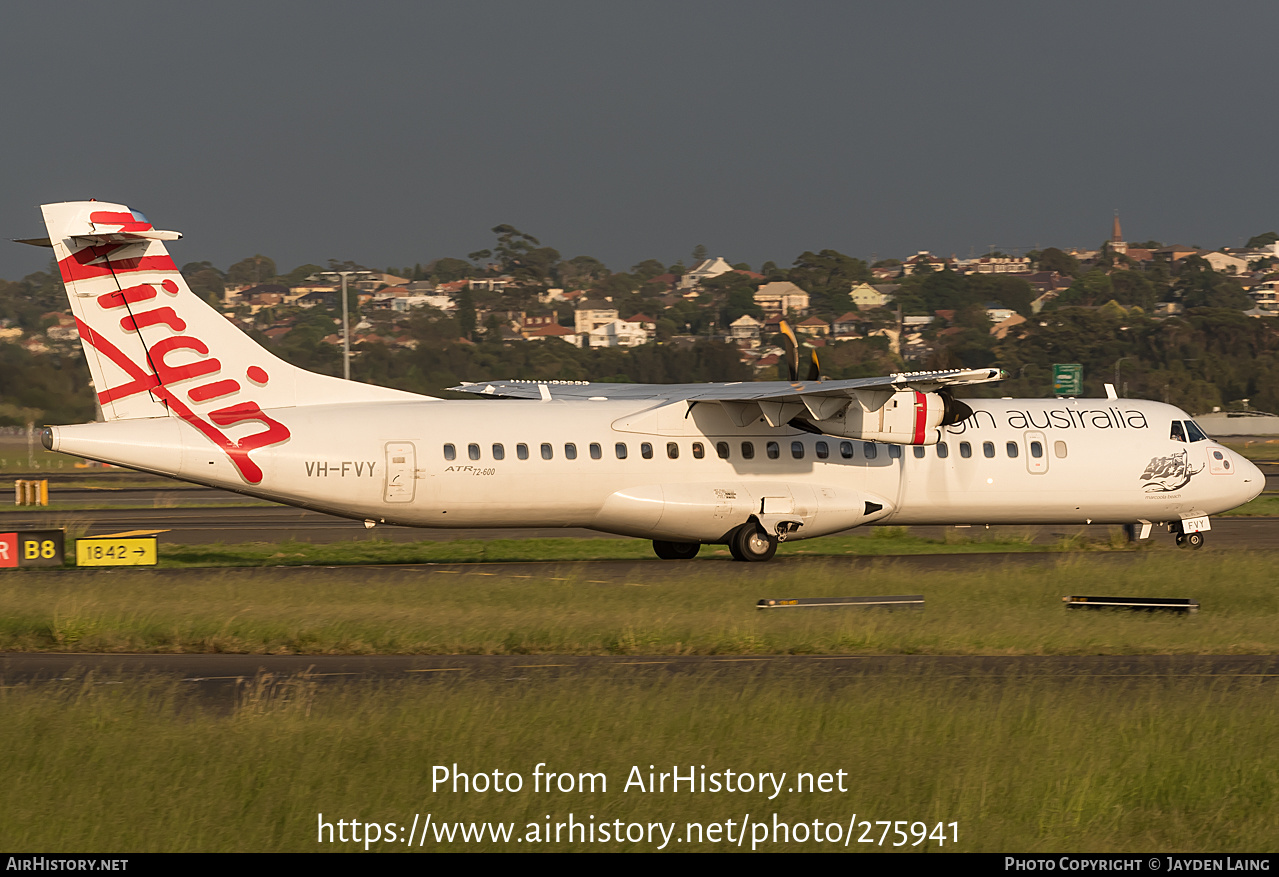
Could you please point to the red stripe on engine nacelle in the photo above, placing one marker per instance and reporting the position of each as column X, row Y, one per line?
column 921, row 417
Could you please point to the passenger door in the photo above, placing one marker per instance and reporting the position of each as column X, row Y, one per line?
column 1036, row 453
column 401, row 471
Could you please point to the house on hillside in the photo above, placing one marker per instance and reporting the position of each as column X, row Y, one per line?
column 994, row 265
column 745, row 331
column 814, row 326
column 564, row 333
column 617, row 333
column 846, row 325
column 924, row 258
column 644, row 321
column 1224, row 263
column 591, row 314
column 704, row 270
column 782, row 297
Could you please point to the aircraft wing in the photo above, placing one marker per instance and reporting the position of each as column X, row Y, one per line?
column 763, row 391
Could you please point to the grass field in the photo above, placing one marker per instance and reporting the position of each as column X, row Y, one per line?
column 1266, row 505
column 694, row 608
column 1031, row 766
column 1257, row 450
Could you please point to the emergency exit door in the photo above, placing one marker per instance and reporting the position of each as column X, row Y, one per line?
column 401, row 468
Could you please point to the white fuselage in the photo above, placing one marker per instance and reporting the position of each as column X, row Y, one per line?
column 1014, row 461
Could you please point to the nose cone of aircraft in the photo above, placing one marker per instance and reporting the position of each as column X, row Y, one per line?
column 1251, row 479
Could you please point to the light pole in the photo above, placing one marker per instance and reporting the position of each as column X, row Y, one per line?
column 1117, row 362
column 346, row 328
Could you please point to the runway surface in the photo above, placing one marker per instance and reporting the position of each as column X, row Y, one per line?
column 205, row 526
column 615, row 573
column 205, row 670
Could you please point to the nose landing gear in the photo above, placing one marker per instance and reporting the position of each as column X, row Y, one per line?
column 1193, row 541
column 1190, row 531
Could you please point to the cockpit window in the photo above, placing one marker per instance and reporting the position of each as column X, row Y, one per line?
column 1194, row 433
column 1178, row 433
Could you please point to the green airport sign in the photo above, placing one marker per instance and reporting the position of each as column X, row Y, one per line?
column 1068, row 379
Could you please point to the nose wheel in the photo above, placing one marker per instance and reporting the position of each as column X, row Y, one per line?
column 1193, row 541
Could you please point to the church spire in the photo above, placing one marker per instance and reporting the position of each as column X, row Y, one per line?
column 1117, row 242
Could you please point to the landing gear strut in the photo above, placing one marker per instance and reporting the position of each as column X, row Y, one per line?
column 676, row 550
column 750, row 543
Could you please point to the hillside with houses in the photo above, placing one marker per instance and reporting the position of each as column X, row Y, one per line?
column 1193, row 326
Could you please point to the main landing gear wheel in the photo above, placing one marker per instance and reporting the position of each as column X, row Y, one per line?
column 676, row 550
column 750, row 543
column 1194, row 541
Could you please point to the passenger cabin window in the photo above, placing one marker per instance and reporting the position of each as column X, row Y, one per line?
column 1059, row 448
column 748, row 450
column 773, row 450
column 450, row 452
column 499, row 452
column 919, row 452
column 1178, row 433
column 823, row 450
column 521, row 451
column 943, row 450
column 596, row 451
column 965, row 450
column 721, row 448
column 870, row 450
column 672, row 450
column 846, row 450
column 894, row 452
column 620, row 450
column 646, row 450
column 988, row 449
column 699, row 450
column 547, row 451
column 1036, row 449
column 1012, row 449
column 797, row 450
column 473, row 451
column 570, row 451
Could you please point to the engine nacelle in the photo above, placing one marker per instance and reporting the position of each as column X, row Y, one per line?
column 904, row 417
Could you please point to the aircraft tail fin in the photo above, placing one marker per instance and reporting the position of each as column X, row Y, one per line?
column 154, row 348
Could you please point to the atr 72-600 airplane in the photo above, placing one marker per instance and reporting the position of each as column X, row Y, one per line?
column 184, row 393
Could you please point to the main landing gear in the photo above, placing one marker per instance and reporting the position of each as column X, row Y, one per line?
column 750, row 543
column 676, row 550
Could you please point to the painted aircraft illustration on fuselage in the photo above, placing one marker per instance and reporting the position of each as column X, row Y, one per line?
column 184, row 393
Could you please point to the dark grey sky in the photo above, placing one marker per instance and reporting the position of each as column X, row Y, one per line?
column 393, row 133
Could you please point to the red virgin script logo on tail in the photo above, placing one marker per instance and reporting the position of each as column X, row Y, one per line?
column 160, row 374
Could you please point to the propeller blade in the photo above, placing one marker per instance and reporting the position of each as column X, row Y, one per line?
column 792, row 350
column 953, row 410
column 814, row 368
